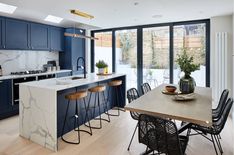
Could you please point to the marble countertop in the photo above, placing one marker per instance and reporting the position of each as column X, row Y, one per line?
column 63, row 83
column 5, row 77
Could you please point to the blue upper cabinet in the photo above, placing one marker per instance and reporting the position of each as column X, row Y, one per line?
column 56, row 39
column 75, row 47
column 23, row 35
column 2, row 33
column 16, row 34
column 39, row 37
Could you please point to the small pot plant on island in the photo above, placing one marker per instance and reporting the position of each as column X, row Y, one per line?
column 186, row 83
column 101, row 65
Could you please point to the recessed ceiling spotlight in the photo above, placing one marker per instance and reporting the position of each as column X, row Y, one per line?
column 53, row 19
column 136, row 3
column 7, row 8
column 157, row 16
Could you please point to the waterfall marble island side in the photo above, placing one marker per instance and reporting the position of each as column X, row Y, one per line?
column 42, row 105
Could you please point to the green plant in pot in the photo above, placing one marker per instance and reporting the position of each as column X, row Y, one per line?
column 186, row 83
column 101, row 65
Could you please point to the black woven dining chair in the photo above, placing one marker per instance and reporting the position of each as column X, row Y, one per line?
column 161, row 135
column 216, row 127
column 145, row 88
column 132, row 94
column 216, row 113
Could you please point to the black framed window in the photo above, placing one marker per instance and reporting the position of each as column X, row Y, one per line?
column 151, row 50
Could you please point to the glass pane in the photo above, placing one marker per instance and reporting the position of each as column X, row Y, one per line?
column 193, row 39
column 103, row 49
column 126, row 55
column 156, row 55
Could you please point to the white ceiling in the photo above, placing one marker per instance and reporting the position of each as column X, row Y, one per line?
column 119, row 13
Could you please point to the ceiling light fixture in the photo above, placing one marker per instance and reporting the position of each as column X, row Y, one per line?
column 7, row 8
column 75, row 35
column 82, row 14
column 53, row 19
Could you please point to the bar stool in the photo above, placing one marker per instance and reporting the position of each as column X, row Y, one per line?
column 97, row 104
column 115, row 85
column 75, row 97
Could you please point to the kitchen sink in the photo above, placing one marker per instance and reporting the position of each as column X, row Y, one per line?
column 77, row 78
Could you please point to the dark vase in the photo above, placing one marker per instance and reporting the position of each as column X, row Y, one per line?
column 187, row 84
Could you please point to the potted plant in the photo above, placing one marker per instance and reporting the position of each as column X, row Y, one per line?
column 101, row 65
column 187, row 83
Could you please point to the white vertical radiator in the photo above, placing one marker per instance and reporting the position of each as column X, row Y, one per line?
column 220, row 66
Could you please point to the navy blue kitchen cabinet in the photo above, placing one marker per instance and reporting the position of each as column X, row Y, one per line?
column 2, row 33
column 56, row 39
column 75, row 47
column 39, row 37
column 5, row 97
column 17, row 34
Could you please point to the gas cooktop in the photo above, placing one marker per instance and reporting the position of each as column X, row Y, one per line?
column 28, row 72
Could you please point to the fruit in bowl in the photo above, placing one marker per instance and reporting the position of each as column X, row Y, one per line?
column 170, row 89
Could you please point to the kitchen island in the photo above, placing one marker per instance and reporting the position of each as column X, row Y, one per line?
column 43, row 104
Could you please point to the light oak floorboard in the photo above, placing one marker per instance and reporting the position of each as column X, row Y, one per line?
column 112, row 139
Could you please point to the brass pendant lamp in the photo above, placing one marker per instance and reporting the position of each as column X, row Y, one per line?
column 85, row 15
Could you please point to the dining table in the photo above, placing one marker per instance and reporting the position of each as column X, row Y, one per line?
column 196, row 110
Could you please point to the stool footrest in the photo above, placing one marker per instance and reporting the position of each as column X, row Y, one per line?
column 83, row 131
column 118, row 108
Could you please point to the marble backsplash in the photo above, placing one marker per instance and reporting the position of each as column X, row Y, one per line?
column 13, row 60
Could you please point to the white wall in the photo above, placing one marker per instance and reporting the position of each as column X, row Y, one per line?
column 222, row 24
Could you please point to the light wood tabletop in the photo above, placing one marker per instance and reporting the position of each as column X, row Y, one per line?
column 156, row 103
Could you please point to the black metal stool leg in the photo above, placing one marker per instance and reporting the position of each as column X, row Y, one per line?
column 75, row 124
column 117, row 97
column 86, row 115
column 64, row 122
column 121, row 96
column 105, row 107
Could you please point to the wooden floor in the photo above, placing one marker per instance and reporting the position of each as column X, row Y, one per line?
column 112, row 139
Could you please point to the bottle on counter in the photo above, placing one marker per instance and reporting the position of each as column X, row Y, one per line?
column 0, row 70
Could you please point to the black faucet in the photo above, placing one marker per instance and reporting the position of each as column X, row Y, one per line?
column 82, row 67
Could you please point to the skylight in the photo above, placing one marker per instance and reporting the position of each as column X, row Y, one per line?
column 53, row 19
column 7, row 8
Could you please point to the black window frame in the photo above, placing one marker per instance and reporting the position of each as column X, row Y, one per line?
column 139, row 29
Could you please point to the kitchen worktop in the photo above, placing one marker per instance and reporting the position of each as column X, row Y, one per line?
column 5, row 77
column 43, row 103
column 63, row 83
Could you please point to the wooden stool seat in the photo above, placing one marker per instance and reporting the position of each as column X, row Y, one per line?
column 76, row 95
column 115, row 83
column 97, row 89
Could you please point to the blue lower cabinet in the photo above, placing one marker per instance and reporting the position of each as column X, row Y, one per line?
column 6, row 107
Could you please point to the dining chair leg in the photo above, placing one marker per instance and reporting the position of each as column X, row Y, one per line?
column 219, row 136
column 214, row 144
column 219, row 144
column 132, row 137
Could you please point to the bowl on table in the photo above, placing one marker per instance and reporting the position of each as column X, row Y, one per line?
column 170, row 89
